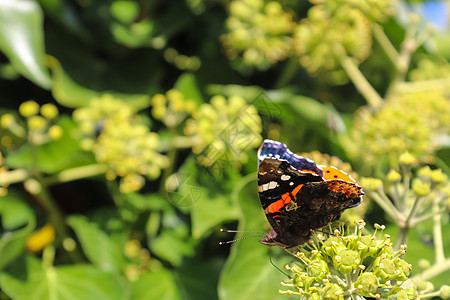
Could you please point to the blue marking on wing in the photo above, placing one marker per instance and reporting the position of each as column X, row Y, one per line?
column 280, row 151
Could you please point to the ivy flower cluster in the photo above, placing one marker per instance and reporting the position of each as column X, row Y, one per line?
column 321, row 43
column 428, row 69
column 412, row 122
column 38, row 126
column 117, row 136
column 350, row 265
column 408, row 199
column 224, row 130
column 259, row 33
column 172, row 108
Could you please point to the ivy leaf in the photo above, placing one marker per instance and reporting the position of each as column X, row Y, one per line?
column 28, row 279
column 18, row 222
column 248, row 273
column 100, row 249
column 22, row 39
column 158, row 284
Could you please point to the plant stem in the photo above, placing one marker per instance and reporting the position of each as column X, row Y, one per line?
column 77, row 173
column 13, row 176
column 433, row 271
column 387, row 206
column 402, row 238
column 437, row 235
column 360, row 81
column 386, row 44
column 290, row 69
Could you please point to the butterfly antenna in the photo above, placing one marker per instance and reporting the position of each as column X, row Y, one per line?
column 236, row 240
column 245, row 231
column 273, row 264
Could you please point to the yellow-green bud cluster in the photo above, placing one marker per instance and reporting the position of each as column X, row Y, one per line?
column 430, row 68
column 405, row 131
column 225, row 129
column 138, row 260
column 350, row 264
column 182, row 62
column 337, row 28
column 123, row 143
column 259, row 32
column 172, row 108
column 40, row 123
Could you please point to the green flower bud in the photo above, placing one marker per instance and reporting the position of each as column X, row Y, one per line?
column 394, row 176
column 403, row 269
column 424, row 173
column 29, row 108
column 346, row 261
column 55, row 132
column 421, row 188
column 437, row 176
column 49, row 111
column 318, row 269
column 371, row 184
column 425, row 286
column 37, row 123
column 367, row 284
column 423, row 264
column 384, row 268
column 7, row 120
column 332, row 292
column 407, row 159
column 444, row 292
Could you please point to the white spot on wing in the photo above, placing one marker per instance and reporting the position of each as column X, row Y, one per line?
column 285, row 177
column 272, row 185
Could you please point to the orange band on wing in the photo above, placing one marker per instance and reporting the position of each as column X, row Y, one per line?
column 297, row 188
column 285, row 199
column 309, row 171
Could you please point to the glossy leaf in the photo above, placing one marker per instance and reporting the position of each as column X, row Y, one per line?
column 248, row 273
column 99, row 248
column 158, row 284
column 71, row 93
column 22, row 39
column 28, row 279
column 18, row 222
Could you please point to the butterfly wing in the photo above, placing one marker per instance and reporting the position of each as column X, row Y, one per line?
column 278, row 185
column 277, row 150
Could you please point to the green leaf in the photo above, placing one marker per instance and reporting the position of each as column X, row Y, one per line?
column 28, row 279
column 54, row 156
column 97, row 245
column 14, row 213
column 175, row 242
column 22, row 39
column 248, row 273
column 69, row 93
column 158, row 284
column 198, row 191
column 198, row 277
column 188, row 86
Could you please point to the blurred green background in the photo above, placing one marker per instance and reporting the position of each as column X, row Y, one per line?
column 129, row 132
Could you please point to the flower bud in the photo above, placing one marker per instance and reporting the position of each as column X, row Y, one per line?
column 421, row 188
column 367, row 284
column 394, row 176
column 29, row 108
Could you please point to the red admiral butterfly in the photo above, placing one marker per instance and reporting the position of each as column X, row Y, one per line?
column 299, row 196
